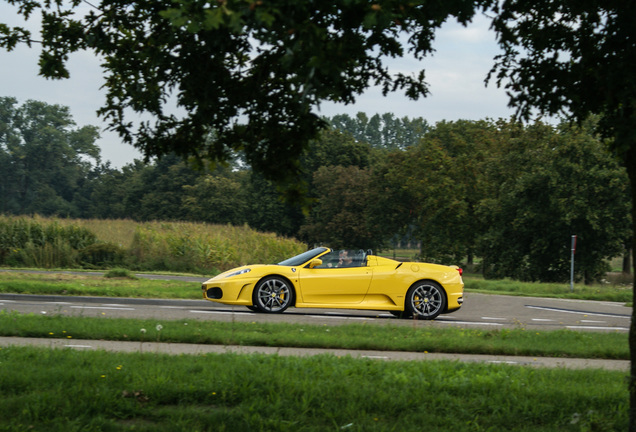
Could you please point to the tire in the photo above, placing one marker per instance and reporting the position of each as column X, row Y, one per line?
column 273, row 295
column 425, row 300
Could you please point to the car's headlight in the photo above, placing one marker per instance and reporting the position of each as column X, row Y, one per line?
column 240, row 272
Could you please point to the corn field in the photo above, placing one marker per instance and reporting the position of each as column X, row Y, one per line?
column 148, row 246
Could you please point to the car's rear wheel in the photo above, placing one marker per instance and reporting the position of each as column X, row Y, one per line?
column 273, row 295
column 426, row 300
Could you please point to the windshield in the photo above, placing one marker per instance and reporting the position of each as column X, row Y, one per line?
column 303, row 257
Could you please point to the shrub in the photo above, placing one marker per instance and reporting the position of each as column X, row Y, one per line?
column 102, row 255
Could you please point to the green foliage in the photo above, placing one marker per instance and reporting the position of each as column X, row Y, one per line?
column 187, row 248
column 26, row 242
column 217, row 199
column 252, row 72
column 151, row 246
column 101, row 255
column 43, row 158
column 382, row 131
column 334, row 148
column 574, row 61
column 339, row 219
column 554, row 184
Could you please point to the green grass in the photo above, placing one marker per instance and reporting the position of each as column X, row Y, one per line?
column 601, row 292
column 562, row 343
column 66, row 390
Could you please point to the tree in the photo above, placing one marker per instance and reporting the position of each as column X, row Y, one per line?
column 573, row 57
column 44, row 158
column 217, row 198
column 249, row 70
column 468, row 145
column 422, row 197
column 333, row 147
column 267, row 211
column 382, row 132
column 553, row 183
column 339, row 218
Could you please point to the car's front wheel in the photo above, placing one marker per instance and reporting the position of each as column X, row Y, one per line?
column 426, row 300
column 273, row 294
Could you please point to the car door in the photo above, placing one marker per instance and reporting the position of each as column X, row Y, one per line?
column 337, row 286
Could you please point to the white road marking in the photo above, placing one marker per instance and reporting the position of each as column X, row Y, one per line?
column 542, row 319
column 374, row 357
column 78, row 346
column 171, row 307
column 593, row 322
column 493, row 319
column 102, row 307
column 576, row 312
column 596, row 328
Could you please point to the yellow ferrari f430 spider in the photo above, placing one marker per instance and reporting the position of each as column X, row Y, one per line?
column 341, row 279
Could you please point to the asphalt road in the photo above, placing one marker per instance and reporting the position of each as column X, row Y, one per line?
column 479, row 311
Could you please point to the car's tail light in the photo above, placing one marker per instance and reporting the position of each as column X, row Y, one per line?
column 460, row 270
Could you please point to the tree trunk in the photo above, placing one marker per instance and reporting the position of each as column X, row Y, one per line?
column 627, row 259
column 630, row 164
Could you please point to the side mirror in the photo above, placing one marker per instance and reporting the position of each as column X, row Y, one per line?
column 315, row 263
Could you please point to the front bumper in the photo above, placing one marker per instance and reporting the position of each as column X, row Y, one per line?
column 229, row 291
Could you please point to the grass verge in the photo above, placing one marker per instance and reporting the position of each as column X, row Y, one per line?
column 56, row 283
column 561, row 343
column 601, row 292
column 66, row 390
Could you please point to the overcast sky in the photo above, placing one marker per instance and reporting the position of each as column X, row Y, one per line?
column 455, row 73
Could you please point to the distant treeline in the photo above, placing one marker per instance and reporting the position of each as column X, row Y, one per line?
column 506, row 195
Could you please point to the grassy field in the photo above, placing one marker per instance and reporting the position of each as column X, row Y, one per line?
column 67, row 391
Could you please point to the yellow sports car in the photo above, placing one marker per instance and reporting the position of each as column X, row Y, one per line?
column 343, row 279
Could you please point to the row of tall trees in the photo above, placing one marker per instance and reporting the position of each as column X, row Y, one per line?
column 509, row 194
